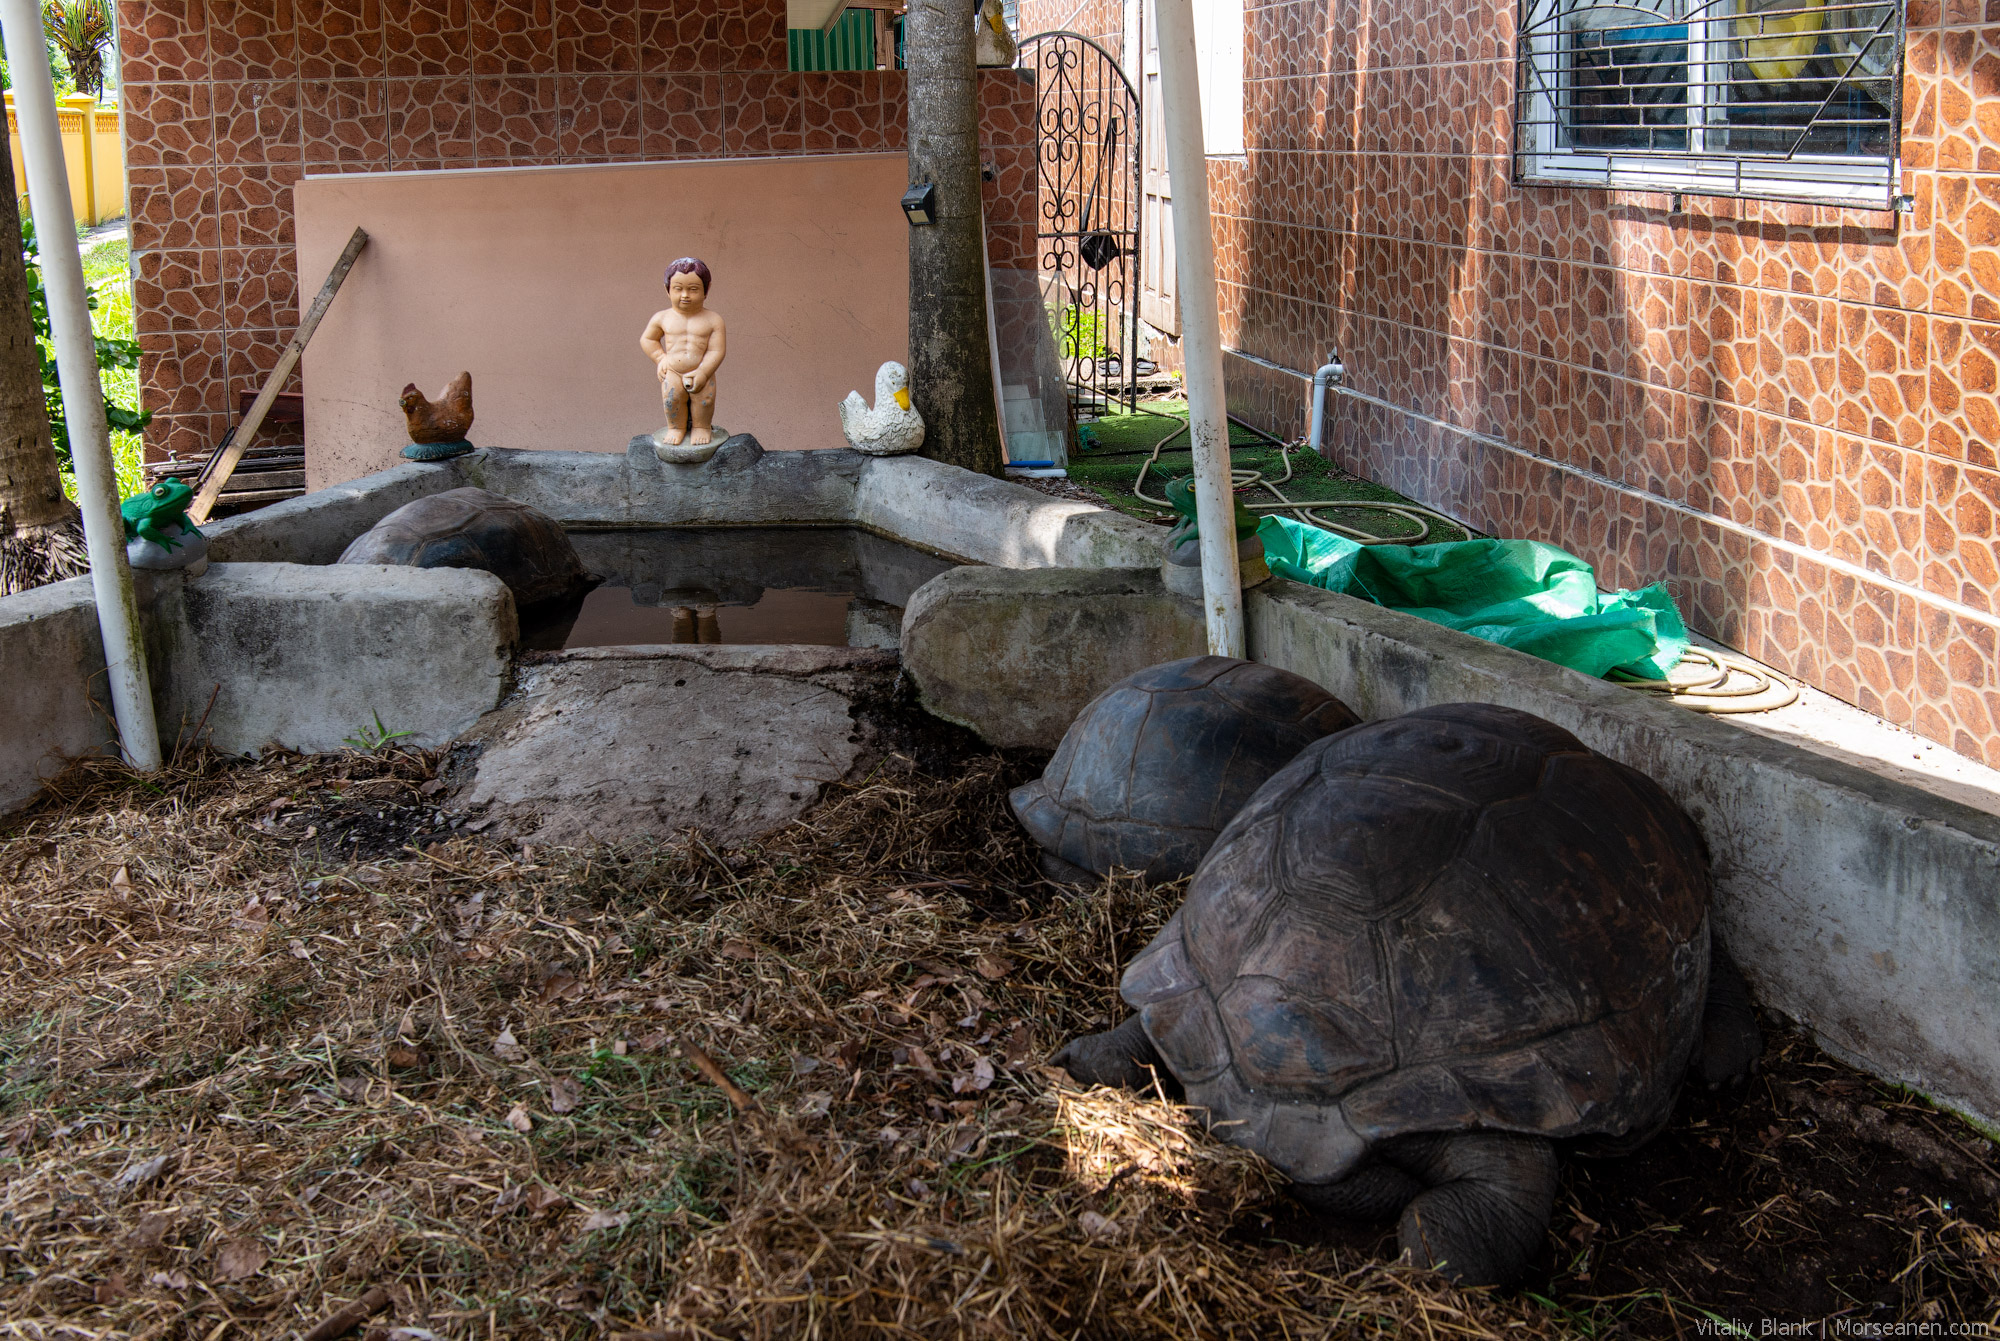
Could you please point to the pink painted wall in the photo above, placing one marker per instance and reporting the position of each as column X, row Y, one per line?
column 540, row 279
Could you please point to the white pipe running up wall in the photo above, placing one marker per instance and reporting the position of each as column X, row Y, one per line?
column 1330, row 374
column 83, row 395
column 1201, row 328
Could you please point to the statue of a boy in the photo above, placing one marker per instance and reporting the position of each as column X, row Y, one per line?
column 685, row 342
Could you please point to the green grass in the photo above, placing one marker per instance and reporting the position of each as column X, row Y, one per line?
column 1314, row 479
column 106, row 267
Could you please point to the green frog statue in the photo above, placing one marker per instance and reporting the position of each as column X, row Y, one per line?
column 158, row 533
column 1182, row 570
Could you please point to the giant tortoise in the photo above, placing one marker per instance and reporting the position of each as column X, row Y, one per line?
column 1154, row 766
column 1427, row 950
column 472, row 528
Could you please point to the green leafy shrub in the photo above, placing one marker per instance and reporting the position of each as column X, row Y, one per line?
column 116, row 354
column 1082, row 334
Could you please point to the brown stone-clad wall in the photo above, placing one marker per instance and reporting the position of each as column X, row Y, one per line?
column 1787, row 413
column 229, row 102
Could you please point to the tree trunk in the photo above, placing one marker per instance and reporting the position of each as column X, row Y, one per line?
column 951, row 360
column 41, row 539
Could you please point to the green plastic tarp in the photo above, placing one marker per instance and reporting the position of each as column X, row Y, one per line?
column 1521, row 594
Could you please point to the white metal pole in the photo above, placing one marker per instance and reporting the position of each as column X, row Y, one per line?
column 83, row 395
column 1201, row 327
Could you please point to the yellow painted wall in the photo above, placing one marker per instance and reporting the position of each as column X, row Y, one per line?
column 92, row 151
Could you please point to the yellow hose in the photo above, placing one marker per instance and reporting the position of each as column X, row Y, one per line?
column 1717, row 684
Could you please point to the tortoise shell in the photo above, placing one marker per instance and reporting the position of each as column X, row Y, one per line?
column 1155, row 766
column 1460, row 918
column 472, row 528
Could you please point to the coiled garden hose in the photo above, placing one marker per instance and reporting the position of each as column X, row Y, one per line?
column 1713, row 683
column 1719, row 684
column 1243, row 477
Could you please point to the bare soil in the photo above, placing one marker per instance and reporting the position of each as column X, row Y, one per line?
column 274, row 1034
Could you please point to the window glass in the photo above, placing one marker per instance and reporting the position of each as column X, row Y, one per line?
column 1218, row 45
column 1783, row 98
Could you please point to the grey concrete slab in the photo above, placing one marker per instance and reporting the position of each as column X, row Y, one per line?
column 741, row 485
column 991, row 521
column 52, row 707
column 634, row 743
column 305, row 656
column 1014, row 654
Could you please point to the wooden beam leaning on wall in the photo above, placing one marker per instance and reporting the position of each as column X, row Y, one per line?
column 223, row 463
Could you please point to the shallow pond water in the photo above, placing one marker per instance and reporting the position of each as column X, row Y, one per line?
column 827, row 586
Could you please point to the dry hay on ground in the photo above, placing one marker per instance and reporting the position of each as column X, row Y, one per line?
column 246, row 1080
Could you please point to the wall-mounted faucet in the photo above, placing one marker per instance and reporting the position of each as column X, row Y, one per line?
column 1331, row 373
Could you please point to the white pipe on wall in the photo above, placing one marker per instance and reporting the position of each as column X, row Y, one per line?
column 1201, row 327
column 1331, row 373
column 83, row 394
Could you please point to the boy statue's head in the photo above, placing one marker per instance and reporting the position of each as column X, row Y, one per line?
column 688, row 265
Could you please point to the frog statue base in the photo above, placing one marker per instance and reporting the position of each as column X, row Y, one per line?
column 189, row 551
column 685, row 453
column 437, row 451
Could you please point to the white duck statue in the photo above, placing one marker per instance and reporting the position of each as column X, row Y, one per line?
column 893, row 426
column 992, row 44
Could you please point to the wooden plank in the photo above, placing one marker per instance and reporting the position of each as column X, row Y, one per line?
column 257, row 458
column 258, row 497
column 244, row 481
column 223, row 463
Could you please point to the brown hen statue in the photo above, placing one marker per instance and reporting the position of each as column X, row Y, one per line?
column 439, row 428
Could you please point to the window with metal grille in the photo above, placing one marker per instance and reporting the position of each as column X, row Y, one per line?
column 1782, row 99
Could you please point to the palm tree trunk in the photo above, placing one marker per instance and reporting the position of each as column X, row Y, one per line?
column 41, row 538
column 951, row 361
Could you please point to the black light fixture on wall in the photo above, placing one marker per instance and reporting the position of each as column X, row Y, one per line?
column 920, row 205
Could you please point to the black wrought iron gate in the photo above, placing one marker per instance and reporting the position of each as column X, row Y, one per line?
column 1087, row 131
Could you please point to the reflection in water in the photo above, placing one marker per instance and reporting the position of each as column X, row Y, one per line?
column 829, row 587
column 610, row 618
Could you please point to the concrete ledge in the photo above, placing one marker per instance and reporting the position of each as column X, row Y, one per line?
column 316, row 527
column 932, row 506
column 741, row 485
column 976, row 517
column 303, row 657
column 1866, row 909
column 1014, row 654
column 52, row 662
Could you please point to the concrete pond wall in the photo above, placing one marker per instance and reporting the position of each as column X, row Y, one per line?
column 277, row 645
column 1866, row 909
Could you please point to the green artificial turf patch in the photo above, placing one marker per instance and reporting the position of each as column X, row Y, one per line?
column 1123, row 441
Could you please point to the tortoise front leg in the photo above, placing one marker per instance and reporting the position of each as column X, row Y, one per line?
column 1122, row 1058
column 1487, row 1204
column 1731, row 1040
column 1372, row 1193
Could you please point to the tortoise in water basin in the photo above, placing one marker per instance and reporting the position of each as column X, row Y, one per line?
column 1155, row 766
column 473, row 528
column 1427, row 950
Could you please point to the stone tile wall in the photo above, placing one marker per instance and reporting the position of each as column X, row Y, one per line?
column 228, row 103
column 1791, row 415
